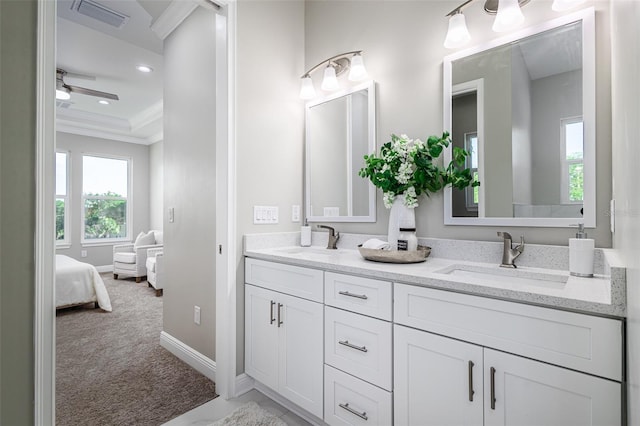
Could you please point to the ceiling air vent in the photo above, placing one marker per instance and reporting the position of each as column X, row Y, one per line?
column 99, row 12
column 63, row 104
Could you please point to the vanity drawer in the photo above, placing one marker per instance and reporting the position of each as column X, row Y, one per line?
column 358, row 345
column 350, row 401
column 577, row 341
column 358, row 294
column 294, row 280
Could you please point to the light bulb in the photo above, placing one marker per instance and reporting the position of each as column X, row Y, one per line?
column 458, row 34
column 509, row 16
column 358, row 71
column 330, row 82
column 307, row 91
column 62, row 94
column 562, row 5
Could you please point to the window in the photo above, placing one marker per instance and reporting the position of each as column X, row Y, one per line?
column 105, row 199
column 62, row 198
column 572, row 181
column 472, row 193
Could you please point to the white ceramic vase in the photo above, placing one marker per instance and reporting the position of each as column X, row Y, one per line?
column 400, row 216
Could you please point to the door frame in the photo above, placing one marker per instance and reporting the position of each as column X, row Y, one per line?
column 44, row 309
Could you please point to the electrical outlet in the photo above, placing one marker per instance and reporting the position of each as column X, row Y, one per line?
column 295, row 213
column 83, row 253
column 196, row 314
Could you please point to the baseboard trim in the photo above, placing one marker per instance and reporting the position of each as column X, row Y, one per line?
column 244, row 384
column 189, row 355
column 104, row 268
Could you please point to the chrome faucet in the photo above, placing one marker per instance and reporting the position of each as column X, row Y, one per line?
column 509, row 253
column 333, row 237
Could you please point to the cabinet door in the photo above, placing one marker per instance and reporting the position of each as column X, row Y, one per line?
column 528, row 392
column 438, row 381
column 261, row 335
column 300, row 352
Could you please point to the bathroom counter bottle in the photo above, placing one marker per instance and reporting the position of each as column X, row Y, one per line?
column 581, row 253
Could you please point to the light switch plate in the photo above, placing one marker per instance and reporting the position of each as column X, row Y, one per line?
column 612, row 215
column 265, row 215
column 295, row 213
column 171, row 215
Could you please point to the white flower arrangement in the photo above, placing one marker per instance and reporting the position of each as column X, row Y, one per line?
column 406, row 167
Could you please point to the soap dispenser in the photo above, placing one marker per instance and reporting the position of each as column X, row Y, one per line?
column 581, row 252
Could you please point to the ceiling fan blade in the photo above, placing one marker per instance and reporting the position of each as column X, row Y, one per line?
column 91, row 92
column 80, row 76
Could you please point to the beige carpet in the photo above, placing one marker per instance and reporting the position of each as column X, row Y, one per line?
column 111, row 369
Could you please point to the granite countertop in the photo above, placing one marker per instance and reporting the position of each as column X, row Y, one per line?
column 604, row 294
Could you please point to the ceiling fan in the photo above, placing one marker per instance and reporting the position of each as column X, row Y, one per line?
column 63, row 90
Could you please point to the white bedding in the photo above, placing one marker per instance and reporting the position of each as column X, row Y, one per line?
column 78, row 283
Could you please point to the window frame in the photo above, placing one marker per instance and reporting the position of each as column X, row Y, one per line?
column 469, row 191
column 566, row 164
column 129, row 200
column 66, row 242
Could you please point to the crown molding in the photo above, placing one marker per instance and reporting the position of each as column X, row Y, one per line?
column 146, row 117
column 173, row 16
column 100, row 133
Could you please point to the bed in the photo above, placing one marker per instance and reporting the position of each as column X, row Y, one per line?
column 78, row 283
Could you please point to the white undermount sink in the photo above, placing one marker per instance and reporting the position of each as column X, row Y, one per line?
column 519, row 276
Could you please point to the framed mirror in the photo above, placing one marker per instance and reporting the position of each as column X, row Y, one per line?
column 339, row 132
column 524, row 106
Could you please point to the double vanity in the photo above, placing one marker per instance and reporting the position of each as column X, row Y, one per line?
column 453, row 340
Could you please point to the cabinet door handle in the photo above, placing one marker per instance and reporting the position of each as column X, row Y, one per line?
column 354, row 412
column 352, row 346
column 493, row 388
column 359, row 296
column 280, row 305
column 271, row 317
column 471, row 392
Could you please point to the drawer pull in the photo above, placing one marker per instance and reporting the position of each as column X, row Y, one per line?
column 493, row 388
column 354, row 412
column 271, row 317
column 280, row 305
column 359, row 296
column 352, row 346
column 471, row 392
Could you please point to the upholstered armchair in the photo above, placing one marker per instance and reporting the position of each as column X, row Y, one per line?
column 130, row 259
column 155, row 269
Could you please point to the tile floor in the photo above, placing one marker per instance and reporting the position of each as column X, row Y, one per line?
column 219, row 408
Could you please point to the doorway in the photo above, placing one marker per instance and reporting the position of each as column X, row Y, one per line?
column 225, row 222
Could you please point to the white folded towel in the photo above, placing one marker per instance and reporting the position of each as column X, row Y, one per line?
column 375, row 243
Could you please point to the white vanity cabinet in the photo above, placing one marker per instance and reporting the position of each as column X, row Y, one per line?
column 358, row 351
column 439, row 380
column 284, row 332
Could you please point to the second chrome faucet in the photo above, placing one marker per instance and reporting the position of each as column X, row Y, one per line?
column 509, row 253
column 333, row 237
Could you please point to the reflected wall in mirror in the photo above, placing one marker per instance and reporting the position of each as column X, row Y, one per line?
column 339, row 131
column 525, row 107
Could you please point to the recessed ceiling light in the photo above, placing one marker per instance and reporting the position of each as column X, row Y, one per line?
column 103, row 102
column 144, row 68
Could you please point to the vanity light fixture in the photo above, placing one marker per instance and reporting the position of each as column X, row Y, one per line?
column 508, row 16
column 334, row 67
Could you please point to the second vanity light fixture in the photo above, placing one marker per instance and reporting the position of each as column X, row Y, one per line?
column 335, row 66
column 508, row 16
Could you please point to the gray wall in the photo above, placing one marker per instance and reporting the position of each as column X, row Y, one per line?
column 17, row 209
column 156, row 185
column 190, row 181
column 407, row 66
column 270, row 122
column 521, row 129
column 554, row 98
column 464, row 119
column 138, row 155
column 626, row 152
